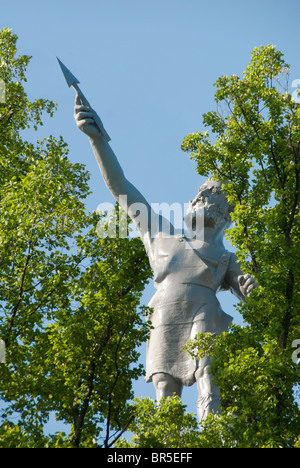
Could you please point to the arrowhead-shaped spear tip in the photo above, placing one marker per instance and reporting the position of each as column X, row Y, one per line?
column 70, row 78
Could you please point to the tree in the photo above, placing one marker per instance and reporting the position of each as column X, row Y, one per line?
column 69, row 300
column 164, row 426
column 256, row 149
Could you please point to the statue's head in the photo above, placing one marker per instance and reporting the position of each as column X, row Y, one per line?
column 212, row 205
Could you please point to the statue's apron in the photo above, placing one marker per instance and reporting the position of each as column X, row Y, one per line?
column 185, row 304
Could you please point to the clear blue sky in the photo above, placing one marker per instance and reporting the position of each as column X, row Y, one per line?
column 148, row 68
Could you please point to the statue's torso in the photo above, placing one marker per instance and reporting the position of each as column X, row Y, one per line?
column 175, row 261
column 185, row 303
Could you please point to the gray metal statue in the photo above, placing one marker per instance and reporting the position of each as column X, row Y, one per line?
column 187, row 273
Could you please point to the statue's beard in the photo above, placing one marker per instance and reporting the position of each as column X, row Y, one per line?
column 214, row 216
column 208, row 215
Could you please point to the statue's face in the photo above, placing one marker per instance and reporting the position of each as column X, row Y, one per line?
column 212, row 203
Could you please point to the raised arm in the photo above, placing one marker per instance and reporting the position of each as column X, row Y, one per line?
column 129, row 198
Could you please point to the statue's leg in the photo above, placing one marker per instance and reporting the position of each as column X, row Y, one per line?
column 208, row 394
column 165, row 386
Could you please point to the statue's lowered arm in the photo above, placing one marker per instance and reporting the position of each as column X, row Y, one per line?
column 239, row 284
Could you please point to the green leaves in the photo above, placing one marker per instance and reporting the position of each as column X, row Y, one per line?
column 164, row 426
column 69, row 301
column 256, row 148
column 94, row 346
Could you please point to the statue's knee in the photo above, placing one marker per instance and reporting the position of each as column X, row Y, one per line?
column 202, row 372
column 165, row 385
column 161, row 381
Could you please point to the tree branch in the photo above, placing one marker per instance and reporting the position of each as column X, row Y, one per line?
column 20, row 295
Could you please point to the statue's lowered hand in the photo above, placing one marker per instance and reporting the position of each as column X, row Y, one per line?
column 247, row 284
column 85, row 120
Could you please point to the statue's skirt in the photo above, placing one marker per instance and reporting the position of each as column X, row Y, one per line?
column 193, row 309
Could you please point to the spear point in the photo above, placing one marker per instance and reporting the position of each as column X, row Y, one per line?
column 69, row 77
column 72, row 81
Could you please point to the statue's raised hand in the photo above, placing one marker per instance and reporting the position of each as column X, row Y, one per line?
column 84, row 117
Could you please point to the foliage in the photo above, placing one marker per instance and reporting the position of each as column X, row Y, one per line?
column 164, row 426
column 69, row 301
column 256, row 149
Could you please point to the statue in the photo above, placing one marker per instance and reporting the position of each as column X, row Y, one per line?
column 187, row 274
